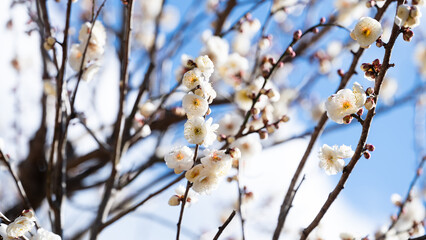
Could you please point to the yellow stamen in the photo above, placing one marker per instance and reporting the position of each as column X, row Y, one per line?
column 366, row 32
column 346, row 105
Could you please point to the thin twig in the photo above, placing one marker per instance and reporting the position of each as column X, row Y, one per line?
column 105, row 204
column 407, row 198
column 287, row 202
column 225, row 224
column 363, row 138
column 188, row 186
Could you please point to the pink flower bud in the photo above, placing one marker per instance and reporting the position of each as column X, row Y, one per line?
column 297, row 34
column 407, row 35
column 360, row 112
column 322, row 20
column 369, row 91
column 340, row 72
column 367, row 155
column 370, row 147
column 315, row 30
column 347, row 119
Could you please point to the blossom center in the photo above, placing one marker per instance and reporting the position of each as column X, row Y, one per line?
column 366, row 32
column 216, row 157
column 197, row 131
column 346, row 105
column 196, row 102
column 179, row 156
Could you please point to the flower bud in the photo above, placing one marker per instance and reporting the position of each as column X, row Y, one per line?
column 230, row 139
column 322, row 20
column 367, row 155
column 291, row 52
column 340, row 72
column 369, row 91
column 285, row 118
column 407, row 35
column 369, row 104
column 347, row 119
column 174, row 201
column 297, row 34
column 360, row 112
column 370, row 3
column 365, row 67
column 270, row 129
column 29, row 214
column 263, row 135
column 370, row 147
column 315, row 31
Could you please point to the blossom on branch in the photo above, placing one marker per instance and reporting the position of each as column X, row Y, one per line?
column 331, row 158
column 366, row 31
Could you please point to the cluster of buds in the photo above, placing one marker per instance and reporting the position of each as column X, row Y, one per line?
column 266, row 65
column 371, row 71
column 367, row 149
column 49, row 43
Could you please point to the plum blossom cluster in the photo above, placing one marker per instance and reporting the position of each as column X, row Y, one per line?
column 22, row 227
column 408, row 16
column 331, row 158
column 366, row 31
column 215, row 164
column 371, row 71
column 345, row 102
column 94, row 37
column 410, row 223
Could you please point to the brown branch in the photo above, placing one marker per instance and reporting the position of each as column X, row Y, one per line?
column 104, row 206
column 188, row 186
column 225, row 224
column 222, row 16
column 363, row 138
column 133, row 208
column 286, row 205
column 419, row 238
column 56, row 186
column 6, row 160
column 407, row 198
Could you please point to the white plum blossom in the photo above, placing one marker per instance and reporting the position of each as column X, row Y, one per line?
column 206, row 91
column 235, row 65
column 345, row 102
column 360, row 95
column 218, row 161
column 95, row 49
column 194, row 105
column 243, row 99
column 192, row 78
column 19, row 227
column 205, row 65
column 217, row 49
column 408, row 16
column 241, row 44
column 43, row 234
column 366, row 31
column 180, row 159
column 331, row 158
column 97, row 41
column 249, row 145
column 230, row 124
column 204, row 180
column 198, row 131
column 349, row 10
